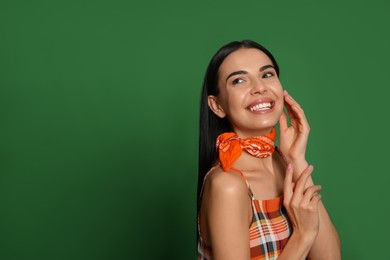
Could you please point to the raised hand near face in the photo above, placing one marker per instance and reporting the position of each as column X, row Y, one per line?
column 293, row 137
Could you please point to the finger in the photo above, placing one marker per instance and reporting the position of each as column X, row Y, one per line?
column 310, row 193
column 283, row 121
column 290, row 99
column 297, row 109
column 301, row 118
column 288, row 184
column 293, row 186
column 315, row 200
column 302, row 180
column 298, row 118
column 290, row 112
column 292, row 106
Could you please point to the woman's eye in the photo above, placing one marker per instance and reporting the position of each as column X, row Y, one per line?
column 237, row 81
column 268, row 75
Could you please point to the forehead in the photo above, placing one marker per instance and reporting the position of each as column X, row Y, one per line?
column 244, row 59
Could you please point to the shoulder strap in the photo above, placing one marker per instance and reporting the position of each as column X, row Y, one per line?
column 234, row 169
column 246, row 181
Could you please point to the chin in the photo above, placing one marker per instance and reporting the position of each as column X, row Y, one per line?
column 266, row 123
column 255, row 130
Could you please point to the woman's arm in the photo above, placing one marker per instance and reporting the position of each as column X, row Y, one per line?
column 226, row 214
column 327, row 244
column 301, row 202
column 293, row 141
column 226, row 211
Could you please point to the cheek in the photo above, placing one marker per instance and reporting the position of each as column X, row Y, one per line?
column 277, row 86
column 280, row 104
column 278, row 90
column 235, row 98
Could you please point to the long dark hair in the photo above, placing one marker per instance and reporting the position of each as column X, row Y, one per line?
column 210, row 125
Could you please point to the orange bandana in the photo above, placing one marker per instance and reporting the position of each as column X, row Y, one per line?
column 230, row 147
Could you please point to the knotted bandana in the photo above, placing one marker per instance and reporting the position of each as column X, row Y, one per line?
column 230, row 147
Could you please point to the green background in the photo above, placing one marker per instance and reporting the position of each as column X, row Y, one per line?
column 99, row 109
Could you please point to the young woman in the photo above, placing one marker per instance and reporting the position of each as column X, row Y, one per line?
column 256, row 201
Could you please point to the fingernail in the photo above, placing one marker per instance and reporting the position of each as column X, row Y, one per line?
column 289, row 166
column 311, row 167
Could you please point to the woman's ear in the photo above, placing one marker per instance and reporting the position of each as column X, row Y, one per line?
column 215, row 106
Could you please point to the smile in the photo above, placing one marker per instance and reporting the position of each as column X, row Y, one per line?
column 261, row 106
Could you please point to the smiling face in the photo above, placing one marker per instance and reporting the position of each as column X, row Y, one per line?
column 250, row 94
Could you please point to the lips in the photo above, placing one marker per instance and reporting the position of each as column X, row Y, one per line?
column 261, row 106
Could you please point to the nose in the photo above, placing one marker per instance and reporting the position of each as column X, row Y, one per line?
column 258, row 87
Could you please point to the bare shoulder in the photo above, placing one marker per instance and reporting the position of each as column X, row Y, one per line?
column 221, row 184
column 225, row 213
column 224, row 188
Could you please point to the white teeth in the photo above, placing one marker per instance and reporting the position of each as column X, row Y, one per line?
column 261, row 106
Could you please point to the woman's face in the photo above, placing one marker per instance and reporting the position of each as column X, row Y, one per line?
column 250, row 94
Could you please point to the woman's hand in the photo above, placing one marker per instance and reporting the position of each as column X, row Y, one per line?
column 293, row 137
column 302, row 205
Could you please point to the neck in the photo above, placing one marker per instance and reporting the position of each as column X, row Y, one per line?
column 249, row 163
column 253, row 133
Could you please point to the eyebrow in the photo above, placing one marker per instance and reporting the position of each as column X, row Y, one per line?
column 240, row 72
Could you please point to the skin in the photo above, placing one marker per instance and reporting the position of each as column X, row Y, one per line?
column 245, row 76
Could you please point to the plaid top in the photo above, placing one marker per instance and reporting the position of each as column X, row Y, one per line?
column 268, row 233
